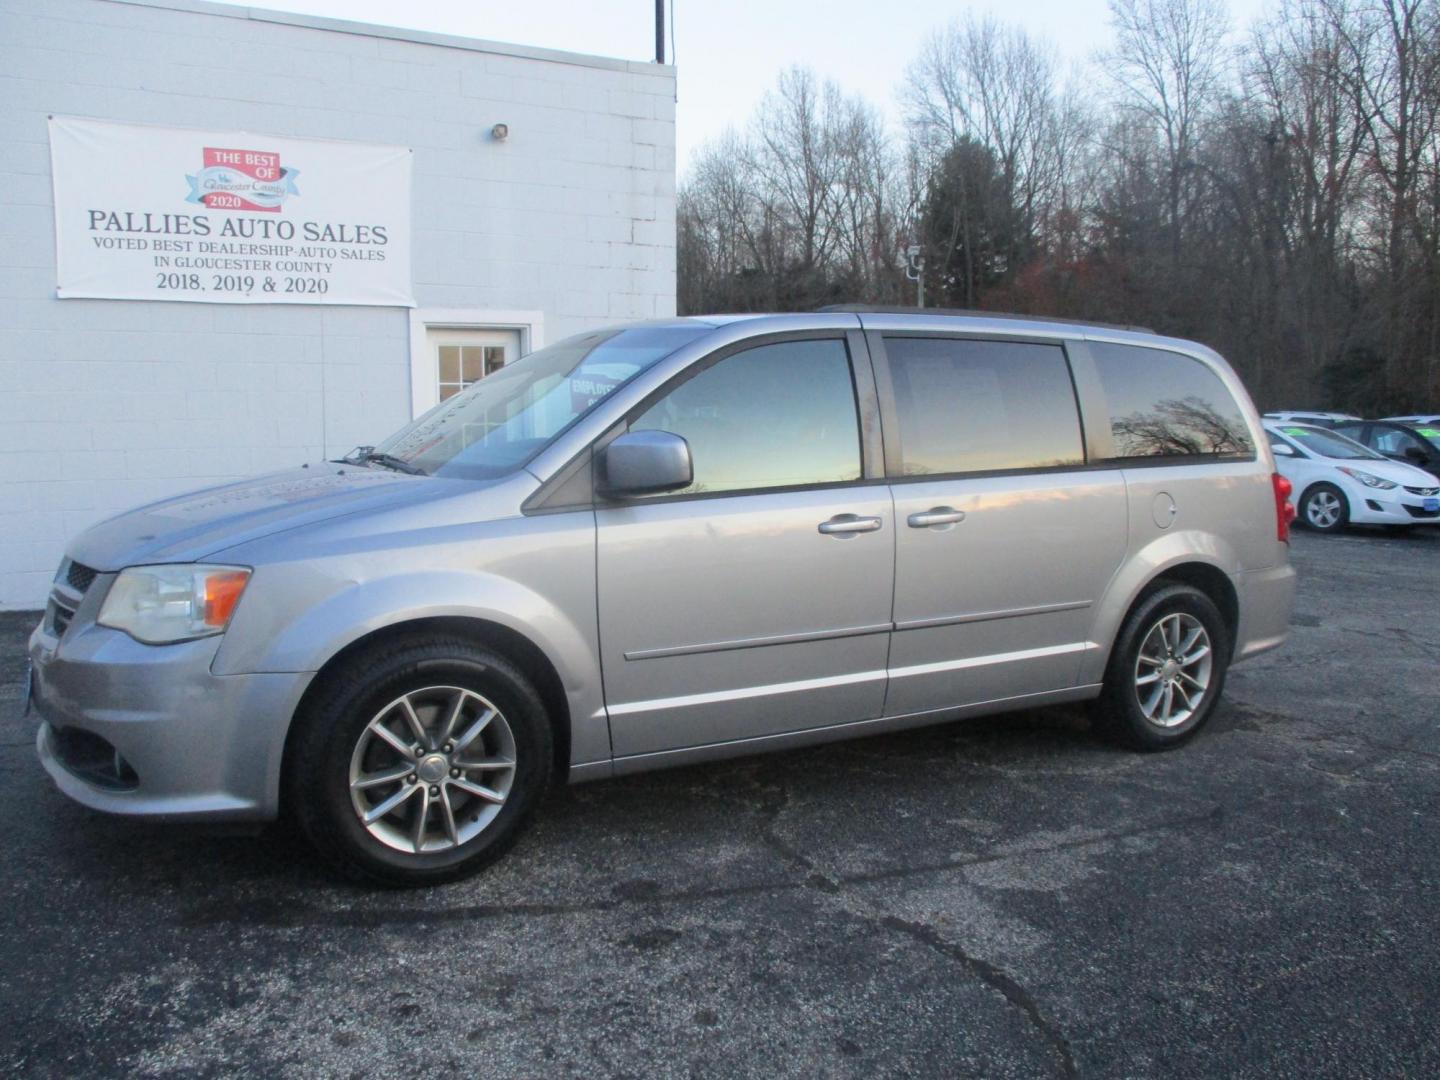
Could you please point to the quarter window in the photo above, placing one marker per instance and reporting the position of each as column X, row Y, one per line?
column 977, row 406
column 778, row 415
column 1166, row 404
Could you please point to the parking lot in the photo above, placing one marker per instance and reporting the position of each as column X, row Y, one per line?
column 1006, row 897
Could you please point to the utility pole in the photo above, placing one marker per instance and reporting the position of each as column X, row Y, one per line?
column 915, row 271
column 659, row 31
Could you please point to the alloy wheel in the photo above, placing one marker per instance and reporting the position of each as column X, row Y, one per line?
column 432, row 769
column 1172, row 669
column 1323, row 510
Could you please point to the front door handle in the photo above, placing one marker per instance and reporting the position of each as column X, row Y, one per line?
column 846, row 524
column 937, row 515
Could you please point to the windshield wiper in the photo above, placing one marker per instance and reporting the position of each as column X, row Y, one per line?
column 367, row 455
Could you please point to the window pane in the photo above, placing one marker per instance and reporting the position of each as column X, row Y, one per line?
column 494, row 358
column 972, row 406
column 1163, row 404
column 1390, row 441
column 774, row 416
column 1329, row 444
column 449, row 363
column 470, row 363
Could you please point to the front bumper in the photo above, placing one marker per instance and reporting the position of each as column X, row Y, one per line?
column 189, row 745
column 1391, row 508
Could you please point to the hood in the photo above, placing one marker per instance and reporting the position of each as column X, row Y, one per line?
column 190, row 527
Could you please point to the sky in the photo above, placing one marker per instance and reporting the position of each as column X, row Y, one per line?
column 729, row 52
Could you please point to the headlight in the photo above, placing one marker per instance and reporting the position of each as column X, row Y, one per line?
column 1367, row 479
column 162, row 604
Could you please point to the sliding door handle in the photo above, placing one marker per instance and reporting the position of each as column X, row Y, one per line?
column 848, row 524
column 937, row 515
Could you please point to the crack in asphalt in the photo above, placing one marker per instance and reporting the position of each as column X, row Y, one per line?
column 287, row 913
column 773, row 802
column 1392, row 634
column 995, row 978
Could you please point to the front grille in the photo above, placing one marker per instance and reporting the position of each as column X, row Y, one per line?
column 72, row 581
column 1417, row 512
column 79, row 577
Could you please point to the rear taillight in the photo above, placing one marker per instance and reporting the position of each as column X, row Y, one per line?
column 1284, row 508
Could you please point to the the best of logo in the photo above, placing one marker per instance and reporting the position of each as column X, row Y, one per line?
column 242, row 180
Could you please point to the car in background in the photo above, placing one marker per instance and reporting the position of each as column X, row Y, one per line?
column 1417, row 418
column 1338, row 481
column 1319, row 419
column 1414, row 444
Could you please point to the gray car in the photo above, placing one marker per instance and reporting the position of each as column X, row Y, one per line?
column 665, row 543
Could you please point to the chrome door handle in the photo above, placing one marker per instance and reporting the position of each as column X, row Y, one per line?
column 845, row 524
column 938, row 515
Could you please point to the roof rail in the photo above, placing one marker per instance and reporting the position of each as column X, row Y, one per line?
column 901, row 309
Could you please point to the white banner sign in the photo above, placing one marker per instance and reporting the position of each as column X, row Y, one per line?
column 148, row 213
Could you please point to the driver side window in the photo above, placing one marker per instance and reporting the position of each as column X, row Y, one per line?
column 780, row 415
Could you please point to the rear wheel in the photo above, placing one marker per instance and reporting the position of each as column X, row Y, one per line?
column 1324, row 508
column 1166, row 672
column 419, row 764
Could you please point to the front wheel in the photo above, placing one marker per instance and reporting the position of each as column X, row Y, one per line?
column 1324, row 508
column 1166, row 672
column 419, row 764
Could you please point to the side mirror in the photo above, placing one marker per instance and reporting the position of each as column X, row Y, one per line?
column 646, row 462
column 1280, row 449
column 1415, row 454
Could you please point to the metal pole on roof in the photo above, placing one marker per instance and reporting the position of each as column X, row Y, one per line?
column 659, row 31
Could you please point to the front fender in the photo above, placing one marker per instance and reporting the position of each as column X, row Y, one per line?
column 300, row 619
column 1137, row 572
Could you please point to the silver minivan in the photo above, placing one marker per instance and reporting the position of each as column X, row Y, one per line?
column 664, row 543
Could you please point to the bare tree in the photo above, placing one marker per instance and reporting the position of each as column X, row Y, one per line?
column 1280, row 200
column 979, row 80
column 1168, row 63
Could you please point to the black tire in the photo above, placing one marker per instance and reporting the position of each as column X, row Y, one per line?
column 1119, row 713
column 337, row 716
column 1310, row 503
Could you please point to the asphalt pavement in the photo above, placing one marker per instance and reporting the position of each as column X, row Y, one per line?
column 991, row 898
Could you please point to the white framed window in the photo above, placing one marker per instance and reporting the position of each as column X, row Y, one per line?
column 452, row 348
column 464, row 357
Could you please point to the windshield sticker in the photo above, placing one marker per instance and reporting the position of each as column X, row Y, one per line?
column 1296, row 432
column 1429, row 432
column 586, row 390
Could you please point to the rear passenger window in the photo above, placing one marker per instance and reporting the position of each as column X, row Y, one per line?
column 1165, row 404
column 976, row 406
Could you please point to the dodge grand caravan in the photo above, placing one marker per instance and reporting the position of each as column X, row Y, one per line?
column 670, row 542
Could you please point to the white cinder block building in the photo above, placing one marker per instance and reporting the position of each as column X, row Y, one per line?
column 565, row 223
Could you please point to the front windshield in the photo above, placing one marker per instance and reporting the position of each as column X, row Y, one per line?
column 1328, row 444
column 495, row 426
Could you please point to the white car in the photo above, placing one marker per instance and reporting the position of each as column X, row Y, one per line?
column 1417, row 418
column 1320, row 419
column 1338, row 481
